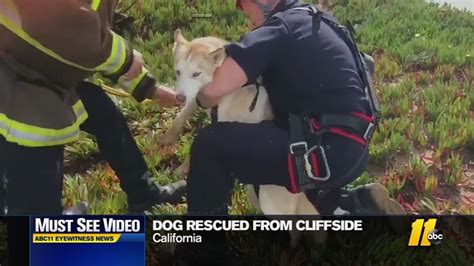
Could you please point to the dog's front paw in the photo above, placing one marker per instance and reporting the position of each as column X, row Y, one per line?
column 169, row 138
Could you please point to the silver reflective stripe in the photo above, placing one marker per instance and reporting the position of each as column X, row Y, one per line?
column 3, row 125
column 30, row 137
column 37, row 138
column 119, row 52
column 110, row 67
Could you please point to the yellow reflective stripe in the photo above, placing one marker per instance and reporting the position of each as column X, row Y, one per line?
column 95, row 4
column 80, row 111
column 10, row 25
column 117, row 55
column 78, row 106
column 131, row 85
column 34, row 136
column 37, row 143
column 33, row 140
column 135, row 81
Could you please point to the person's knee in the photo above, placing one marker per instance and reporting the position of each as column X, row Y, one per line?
column 103, row 114
column 98, row 105
column 206, row 161
column 90, row 92
column 205, row 141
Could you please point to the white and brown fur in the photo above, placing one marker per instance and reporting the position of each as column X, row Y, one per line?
column 204, row 55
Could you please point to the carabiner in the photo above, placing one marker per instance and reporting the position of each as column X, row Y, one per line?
column 308, row 167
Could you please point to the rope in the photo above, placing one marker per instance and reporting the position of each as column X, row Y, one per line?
column 117, row 91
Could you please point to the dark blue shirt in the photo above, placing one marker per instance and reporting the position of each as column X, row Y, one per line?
column 304, row 67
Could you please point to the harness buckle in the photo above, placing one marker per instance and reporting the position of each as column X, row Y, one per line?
column 309, row 169
column 369, row 131
column 298, row 145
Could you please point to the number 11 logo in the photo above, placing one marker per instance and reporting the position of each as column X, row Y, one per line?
column 429, row 233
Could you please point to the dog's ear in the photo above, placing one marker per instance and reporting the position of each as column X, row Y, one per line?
column 218, row 56
column 178, row 40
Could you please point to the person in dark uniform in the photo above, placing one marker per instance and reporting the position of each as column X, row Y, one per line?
column 306, row 68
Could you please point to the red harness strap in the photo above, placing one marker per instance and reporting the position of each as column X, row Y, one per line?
column 344, row 133
column 291, row 171
column 313, row 156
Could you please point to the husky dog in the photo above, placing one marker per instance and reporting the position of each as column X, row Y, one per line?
column 195, row 62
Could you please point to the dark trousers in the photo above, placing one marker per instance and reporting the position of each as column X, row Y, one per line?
column 117, row 145
column 256, row 154
column 31, row 179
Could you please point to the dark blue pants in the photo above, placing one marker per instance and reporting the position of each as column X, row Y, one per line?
column 117, row 145
column 256, row 154
column 31, row 179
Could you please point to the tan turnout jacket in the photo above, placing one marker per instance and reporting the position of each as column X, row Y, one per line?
column 46, row 48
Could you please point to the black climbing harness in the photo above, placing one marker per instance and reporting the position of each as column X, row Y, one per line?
column 307, row 161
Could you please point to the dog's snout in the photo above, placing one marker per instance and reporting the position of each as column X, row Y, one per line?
column 181, row 98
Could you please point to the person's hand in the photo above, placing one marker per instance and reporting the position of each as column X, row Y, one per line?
column 165, row 97
column 136, row 67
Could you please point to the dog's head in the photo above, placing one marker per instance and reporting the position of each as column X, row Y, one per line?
column 195, row 62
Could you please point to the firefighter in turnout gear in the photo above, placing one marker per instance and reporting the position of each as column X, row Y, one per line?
column 47, row 49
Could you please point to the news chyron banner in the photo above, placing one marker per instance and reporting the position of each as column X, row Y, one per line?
column 337, row 240
column 240, row 240
column 88, row 240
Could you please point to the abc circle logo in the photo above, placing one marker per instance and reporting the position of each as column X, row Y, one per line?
column 435, row 236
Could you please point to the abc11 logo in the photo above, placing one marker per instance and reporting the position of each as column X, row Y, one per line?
column 426, row 232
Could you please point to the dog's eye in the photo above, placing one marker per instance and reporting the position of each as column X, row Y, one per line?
column 178, row 72
column 196, row 74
